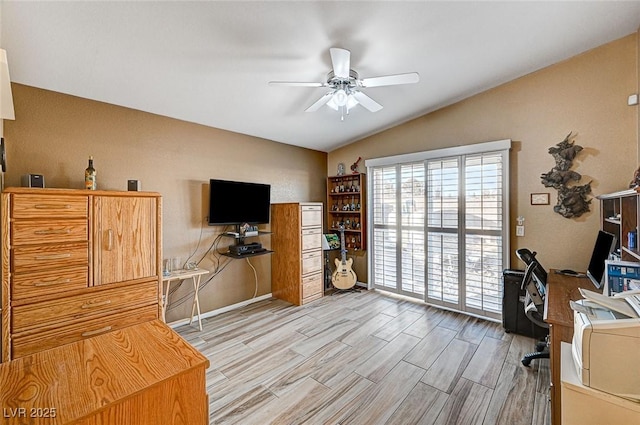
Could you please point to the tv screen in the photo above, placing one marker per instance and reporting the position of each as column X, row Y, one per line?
column 605, row 242
column 237, row 203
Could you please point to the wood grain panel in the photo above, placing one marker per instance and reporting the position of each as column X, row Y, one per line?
column 311, row 285
column 48, row 231
column 44, row 315
column 48, row 283
column 124, row 238
column 49, row 205
column 560, row 290
column 143, row 374
column 29, row 258
column 311, row 262
column 76, row 331
column 311, row 238
column 311, row 215
column 5, row 348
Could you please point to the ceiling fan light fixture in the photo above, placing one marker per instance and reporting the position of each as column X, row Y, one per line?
column 340, row 97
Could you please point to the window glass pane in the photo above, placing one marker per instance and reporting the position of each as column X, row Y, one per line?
column 484, row 272
column 413, row 261
column 437, row 230
column 442, row 274
column 442, row 189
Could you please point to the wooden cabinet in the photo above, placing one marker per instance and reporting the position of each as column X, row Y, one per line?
column 619, row 215
column 346, row 204
column 124, row 238
column 76, row 264
column 143, row 374
column 296, row 266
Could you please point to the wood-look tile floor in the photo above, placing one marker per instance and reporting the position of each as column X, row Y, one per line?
column 367, row 358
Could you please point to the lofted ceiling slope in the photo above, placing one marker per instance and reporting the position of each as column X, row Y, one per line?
column 209, row 62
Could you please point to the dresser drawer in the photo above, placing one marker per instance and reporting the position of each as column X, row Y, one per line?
column 29, row 258
column 311, row 238
column 43, row 206
column 311, row 262
column 312, row 285
column 311, row 215
column 24, row 345
column 52, row 282
column 50, row 314
column 40, row 231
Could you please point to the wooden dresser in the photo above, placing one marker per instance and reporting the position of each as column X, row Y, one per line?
column 145, row 374
column 296, row 266
column 75, row 264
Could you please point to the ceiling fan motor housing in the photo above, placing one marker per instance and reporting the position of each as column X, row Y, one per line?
column 333, row 81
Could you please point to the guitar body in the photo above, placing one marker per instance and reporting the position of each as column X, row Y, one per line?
column 344, row 277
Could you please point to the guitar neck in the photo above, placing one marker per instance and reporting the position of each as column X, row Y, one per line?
column 343, row 250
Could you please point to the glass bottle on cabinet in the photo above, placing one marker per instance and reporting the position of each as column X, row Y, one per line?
column 346, row 200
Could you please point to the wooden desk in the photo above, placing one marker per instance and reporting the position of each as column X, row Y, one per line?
column 558, row 314
column 181, row 275
column 145, row 374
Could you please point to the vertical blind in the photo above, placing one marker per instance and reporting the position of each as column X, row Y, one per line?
column 439, row 227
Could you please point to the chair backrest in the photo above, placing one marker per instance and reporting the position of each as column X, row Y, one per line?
column 534, row 284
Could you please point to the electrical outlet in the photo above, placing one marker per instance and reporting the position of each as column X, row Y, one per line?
column 519, row 230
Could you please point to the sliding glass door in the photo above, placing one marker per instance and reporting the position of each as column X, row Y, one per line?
column 439, row 228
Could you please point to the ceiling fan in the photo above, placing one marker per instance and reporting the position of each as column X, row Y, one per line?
column 346, row 85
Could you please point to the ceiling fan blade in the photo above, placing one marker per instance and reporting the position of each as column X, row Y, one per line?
column 296, row 84
column 320, row 102
column 391, row 80
column 366, row 101
column 341, row 60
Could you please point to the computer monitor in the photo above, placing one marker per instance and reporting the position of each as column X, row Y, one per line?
column 605, row 243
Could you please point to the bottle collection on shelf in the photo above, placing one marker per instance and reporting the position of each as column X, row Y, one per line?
column 345, row 199
column 350, row 186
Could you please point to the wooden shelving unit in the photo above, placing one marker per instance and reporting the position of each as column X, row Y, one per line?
column 619, row 215
column 346, row 204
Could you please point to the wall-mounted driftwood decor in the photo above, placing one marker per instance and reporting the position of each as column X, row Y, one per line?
column 572, row 199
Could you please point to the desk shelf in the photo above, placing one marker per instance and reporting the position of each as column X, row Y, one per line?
column 619, row 216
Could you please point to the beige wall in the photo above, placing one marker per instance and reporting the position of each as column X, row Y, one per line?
column 54, row 134
column 586, row 95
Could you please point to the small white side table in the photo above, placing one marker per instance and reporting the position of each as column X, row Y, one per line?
column 180, row 276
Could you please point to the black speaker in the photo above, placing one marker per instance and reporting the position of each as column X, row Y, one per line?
column 513, row 317
column 32, row 180
column 133, row 185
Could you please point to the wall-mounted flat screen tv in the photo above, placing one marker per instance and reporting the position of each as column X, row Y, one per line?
column 232, row 202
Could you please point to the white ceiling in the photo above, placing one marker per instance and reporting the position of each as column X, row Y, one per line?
column 209, row 62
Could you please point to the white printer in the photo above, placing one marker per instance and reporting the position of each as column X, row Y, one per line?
column 606, row 350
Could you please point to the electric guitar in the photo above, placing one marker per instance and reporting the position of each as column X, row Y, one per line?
column 344, row 277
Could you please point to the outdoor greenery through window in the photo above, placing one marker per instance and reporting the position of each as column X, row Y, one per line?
column 439, row 226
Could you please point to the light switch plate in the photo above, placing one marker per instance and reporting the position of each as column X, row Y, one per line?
column 519, row 230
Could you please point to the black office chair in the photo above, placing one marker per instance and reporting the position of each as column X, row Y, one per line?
column 534, row 284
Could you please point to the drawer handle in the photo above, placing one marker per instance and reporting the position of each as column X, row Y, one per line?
column 97, row 331
column 96, row 304
column 52, row 207
column 52, row 257
column 109, row 240
column 53, row 232
column 51, row 282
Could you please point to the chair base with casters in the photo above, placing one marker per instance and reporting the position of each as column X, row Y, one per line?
column 542, row 352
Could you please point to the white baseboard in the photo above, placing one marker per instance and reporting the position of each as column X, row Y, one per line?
column 212, row 313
